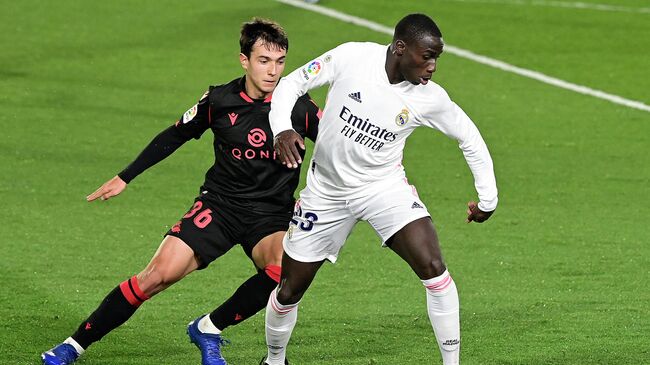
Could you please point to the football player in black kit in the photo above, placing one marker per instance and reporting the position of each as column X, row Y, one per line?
column 247, row 198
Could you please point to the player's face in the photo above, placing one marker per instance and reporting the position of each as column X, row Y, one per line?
column 419, row 59
column 263, row 68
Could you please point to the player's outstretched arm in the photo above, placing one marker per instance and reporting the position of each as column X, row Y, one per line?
column 286, row 145
column 474, row 214
column 110, row 189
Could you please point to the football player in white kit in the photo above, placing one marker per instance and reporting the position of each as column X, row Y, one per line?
column 377, row 96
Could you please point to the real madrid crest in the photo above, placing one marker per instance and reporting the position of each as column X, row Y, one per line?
column 402, row 118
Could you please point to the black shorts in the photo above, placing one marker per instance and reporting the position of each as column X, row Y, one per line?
column 216, row 223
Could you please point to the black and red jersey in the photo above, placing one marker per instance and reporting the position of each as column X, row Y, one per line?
column 245, row 164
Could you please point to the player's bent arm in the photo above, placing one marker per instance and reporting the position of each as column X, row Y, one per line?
column 453, row 122
column 480, row 163
column 313, row 74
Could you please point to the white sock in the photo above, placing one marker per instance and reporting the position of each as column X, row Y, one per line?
column 70, row 341
column 443, row 308
column 280, row 320
column 206, row 326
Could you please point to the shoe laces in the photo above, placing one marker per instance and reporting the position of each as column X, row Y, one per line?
column 214, row 347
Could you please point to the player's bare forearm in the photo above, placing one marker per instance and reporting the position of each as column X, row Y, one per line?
column 108, row 190
column 286, row 145
column 474, row 214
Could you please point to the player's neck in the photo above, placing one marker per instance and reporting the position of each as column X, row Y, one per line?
column 253, row 92
column 391, row 67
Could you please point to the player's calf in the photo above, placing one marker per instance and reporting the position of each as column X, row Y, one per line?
column 443, row 310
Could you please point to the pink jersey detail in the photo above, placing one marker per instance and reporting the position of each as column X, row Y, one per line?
column 268, row 98
column 233, row 117
column 245, row 97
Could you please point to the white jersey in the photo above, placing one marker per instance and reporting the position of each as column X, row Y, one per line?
column 367, row 120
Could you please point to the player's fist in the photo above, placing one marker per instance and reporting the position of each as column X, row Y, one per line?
column 474, row 214
column 285, row 146
column 110, row 188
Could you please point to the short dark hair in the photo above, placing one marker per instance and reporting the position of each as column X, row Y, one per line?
column 415, row 26
column 270, row 32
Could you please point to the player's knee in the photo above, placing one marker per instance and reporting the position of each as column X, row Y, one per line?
column 287, row 295
column 156, row 280
column 430, row 268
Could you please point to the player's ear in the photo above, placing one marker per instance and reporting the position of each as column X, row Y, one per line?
column 399, row 47
column 243, row 60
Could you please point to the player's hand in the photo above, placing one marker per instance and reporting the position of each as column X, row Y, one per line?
column 474, row 214
column 285, row 146
column 110, row 188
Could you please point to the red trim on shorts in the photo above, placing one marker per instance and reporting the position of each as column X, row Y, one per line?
column 274, row 272
column 306, row 121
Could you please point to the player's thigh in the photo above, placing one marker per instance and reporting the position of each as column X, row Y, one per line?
column 173, row 260
column 417, row 244
column 264, row 231
column 296, row 278
column 403, row 222
column 268, row 251
column 318, row 229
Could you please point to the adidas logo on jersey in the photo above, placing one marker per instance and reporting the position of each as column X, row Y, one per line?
column 416, row 205
column 355, row 96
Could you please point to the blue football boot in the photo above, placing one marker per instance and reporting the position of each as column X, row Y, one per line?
column 209, row 344
column 63, row 354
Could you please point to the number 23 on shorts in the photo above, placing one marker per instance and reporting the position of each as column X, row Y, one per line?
column 303, row 221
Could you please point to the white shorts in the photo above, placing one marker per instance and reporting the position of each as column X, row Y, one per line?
column 320, row 226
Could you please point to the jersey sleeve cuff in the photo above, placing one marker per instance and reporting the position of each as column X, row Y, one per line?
column 125, row 176
column 487, row 206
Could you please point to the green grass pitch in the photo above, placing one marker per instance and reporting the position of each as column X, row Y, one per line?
column 559, row 275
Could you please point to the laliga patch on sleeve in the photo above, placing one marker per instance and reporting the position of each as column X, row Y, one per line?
column 190, row 114
column 312, row 69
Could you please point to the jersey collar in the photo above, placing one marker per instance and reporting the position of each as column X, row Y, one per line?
column 241, row 90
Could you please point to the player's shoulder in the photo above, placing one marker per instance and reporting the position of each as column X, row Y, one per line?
column 434, row 97
column 224, row 94
column 435, row 89
column 224, row 89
